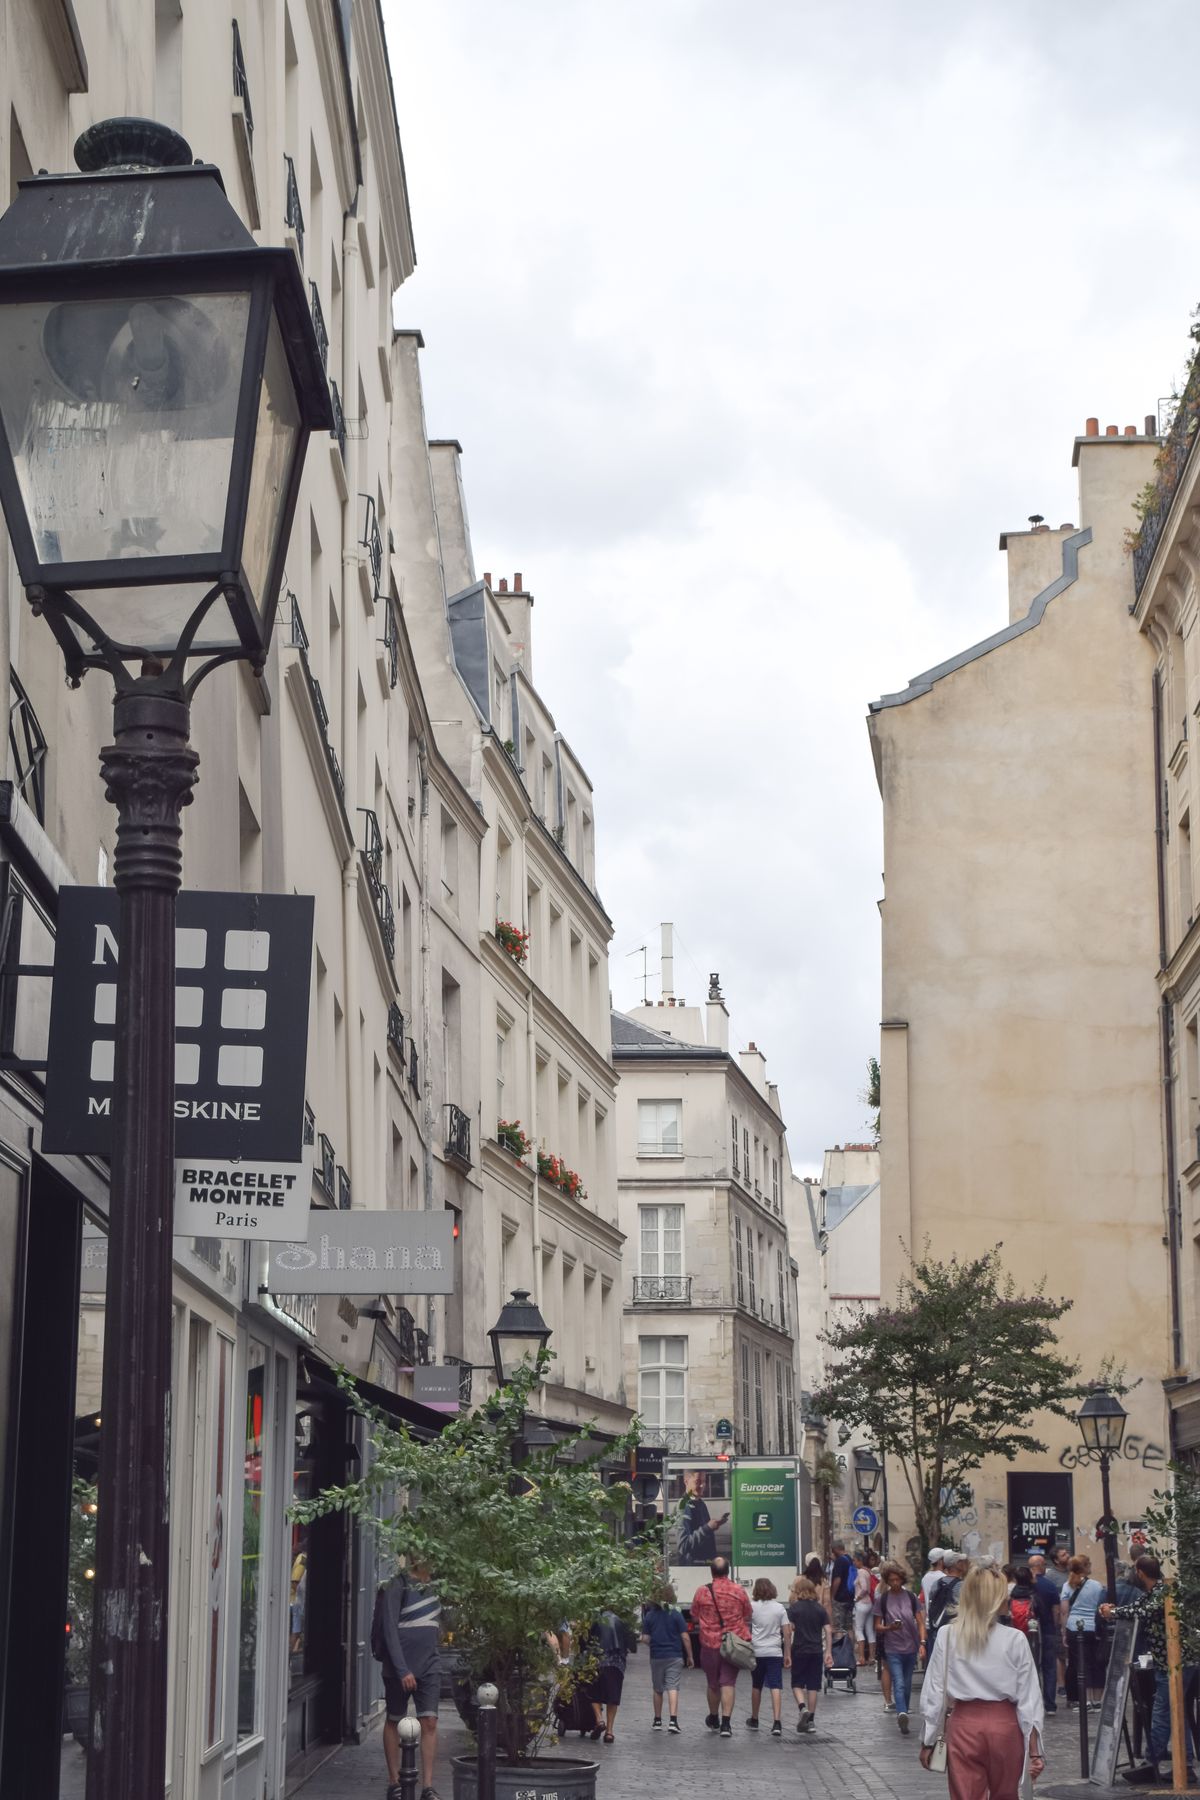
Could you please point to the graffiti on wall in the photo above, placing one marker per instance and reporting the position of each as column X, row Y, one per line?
column 1134, row 1449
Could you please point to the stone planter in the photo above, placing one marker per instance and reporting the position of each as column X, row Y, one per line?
column 543, row 1778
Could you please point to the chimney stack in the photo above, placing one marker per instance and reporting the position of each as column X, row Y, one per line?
column 716, row 1027
column 667, row 970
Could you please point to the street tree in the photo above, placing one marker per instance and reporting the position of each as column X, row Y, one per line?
column 951, row 1373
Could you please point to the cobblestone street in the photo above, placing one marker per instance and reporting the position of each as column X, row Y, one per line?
column 856, row 1753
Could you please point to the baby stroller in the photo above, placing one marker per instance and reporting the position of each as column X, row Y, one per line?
column 845, row 1664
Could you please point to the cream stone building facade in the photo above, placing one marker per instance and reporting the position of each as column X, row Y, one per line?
column 327, row 777
column 1021, row 1079
column 710, row 1285
column 542, row 1020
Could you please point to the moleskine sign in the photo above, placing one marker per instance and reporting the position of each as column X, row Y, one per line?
column 242, row 974
column 367, row 1252
column 269, row 1201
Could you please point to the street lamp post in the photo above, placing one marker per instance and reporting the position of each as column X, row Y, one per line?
column 1101, row 1419
column 519, row 1334
column 159, row 378
column 867, row 1470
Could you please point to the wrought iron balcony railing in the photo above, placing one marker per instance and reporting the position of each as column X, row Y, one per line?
column 395, row 1030
column 297, row 635
column 27, row 749
column 414, row 1067
column 326, row 1164
column 458, row 1134
column 339, row 417
column 672, row 1290
column 318, row 319
column 310, row 1124
column 465, row 1372
column 293, row 214
column 1172, row 460
column 241, row 86
column 391, row 639
column 372, row 543
column 667, row 1437
column 381, row 899
column 422, row 1347
column 343, row 1189
column 406, row 1335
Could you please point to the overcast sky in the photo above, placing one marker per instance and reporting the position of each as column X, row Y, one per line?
column 758, row 324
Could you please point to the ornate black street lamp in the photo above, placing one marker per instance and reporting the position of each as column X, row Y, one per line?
column 159, row 378
column 867, row 1470
column 1101, row 1419
column 518, row 1335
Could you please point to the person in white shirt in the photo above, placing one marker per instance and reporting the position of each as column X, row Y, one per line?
column 931, row 1577
column 771, row 1640
column 983, row 1673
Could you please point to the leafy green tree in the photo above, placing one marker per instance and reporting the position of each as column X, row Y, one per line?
column 513, row 1553
column 950, row 1374
column 1173, row 1525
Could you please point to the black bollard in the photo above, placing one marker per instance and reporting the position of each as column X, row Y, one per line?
column 410, row 1737
column 1081, row 1700
column 485, row 1734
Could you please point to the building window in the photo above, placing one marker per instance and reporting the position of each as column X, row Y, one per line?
column 659, row 1123
column 758, row 1403
column 662, row 1382
column 775, row 1182
column 783, row 1309
column 501, row 1065
column 661, row 1240
column 750, row 1271
column 737, row 1244
column 790, row 1445
column 781, row 1440
column 749, row 1172
column 733, row 1122
column 745, row 1439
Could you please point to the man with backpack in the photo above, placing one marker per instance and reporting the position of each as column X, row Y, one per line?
column 406, row 1637
column 943, row 1601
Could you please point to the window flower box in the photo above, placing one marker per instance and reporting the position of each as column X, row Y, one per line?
column 554, row 1170
column 512, row 939
column 510, row 1135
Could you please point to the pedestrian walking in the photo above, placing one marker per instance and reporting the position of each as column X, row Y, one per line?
column 614, row 1640
column 931, row 1577
column 812, row 1649
column 864, row 1610
column 1081, row 1596
column 982, row 1696
column 943, row 1602
column 814, row 1571
column 1045, row 1599
column 665, row 1631
column 406, row 1637
column 900, row 1632
column 770, row 1639
column 840, row 1588
column 721, row 1607
column 1149, row 1611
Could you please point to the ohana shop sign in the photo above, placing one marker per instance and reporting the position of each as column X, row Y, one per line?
column 367, row 1252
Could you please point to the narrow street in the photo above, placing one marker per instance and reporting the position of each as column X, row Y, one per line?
column 856, row 1753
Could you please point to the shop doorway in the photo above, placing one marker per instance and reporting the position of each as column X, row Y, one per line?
column 316, row 1633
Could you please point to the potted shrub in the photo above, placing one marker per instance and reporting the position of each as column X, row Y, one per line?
column 511, row 938
column 518, row 1545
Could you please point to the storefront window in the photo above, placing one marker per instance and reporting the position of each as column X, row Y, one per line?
column 252, row 1592
column 81, row 1550
column 304, row 1486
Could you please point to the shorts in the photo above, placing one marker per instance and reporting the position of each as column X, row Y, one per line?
column 425, row 1695
column 843, row 1615
column 864, row 1621
column 717, row 1672
column 808, row 1669
column 767, row 1672
column 666, row 1672
column 605, row 1690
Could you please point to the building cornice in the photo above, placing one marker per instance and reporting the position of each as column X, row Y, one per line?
column 383, row 132
column 576, row 1217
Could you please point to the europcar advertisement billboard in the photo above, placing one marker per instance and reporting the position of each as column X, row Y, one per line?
column 743, row 1509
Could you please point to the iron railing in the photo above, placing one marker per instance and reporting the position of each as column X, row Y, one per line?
column 414, row 1067
column 391, row 639
column 343, row 1189
column 298, row 636
column 372, row 849
column 310, row 1124
column 27, row 749
column 422, row 1347
column 318, row 319
column 465, row 1372
column 675, row 1290
column 1172, row 460
column 326, row 1164
column 318, row 700
column 667, row 1437
column 406, row 1335
column 241, row 86
column 458, row 1134
column 293, row 214
column 372, row 543
column 335, row 769
column 395, row 1030
column 381, row 899
column 339, row 417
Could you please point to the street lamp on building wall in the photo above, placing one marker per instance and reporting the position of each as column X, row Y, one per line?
column 1101, row 1419
column 159, row 379
column 519, row 1334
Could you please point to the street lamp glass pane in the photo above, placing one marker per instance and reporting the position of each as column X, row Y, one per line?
column 120, row 415
column 154, row 617
column 275, row 435
column 516, row 1350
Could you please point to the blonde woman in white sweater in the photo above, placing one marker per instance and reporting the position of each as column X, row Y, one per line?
column 982, row 1672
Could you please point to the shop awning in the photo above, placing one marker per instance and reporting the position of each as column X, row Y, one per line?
column 422, row 1420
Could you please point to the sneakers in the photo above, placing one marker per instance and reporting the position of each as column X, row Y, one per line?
column 430, row 1794
column 888, row 1707
column 902, row 1722
column 726, row 1728
column 711, row 1722
column 805, row 1719
column 395, row 1791
column 673, row 1726
column 752, row 1723
column 777, row 1729
column 656, row 1724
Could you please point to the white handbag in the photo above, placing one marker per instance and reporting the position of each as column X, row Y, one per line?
column 937, row 1755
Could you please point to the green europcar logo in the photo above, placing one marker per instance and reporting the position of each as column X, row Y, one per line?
column 762, row 1522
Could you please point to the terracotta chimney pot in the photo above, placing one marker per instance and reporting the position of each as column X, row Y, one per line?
column 1092, row 428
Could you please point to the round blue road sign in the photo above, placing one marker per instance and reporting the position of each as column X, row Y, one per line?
column 865, row 1520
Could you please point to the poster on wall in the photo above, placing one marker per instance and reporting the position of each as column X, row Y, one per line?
column 1041, row 1513
column 764, row 1517
column 697, row 1510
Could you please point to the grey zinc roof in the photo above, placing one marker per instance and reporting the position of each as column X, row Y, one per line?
column 630, row 1038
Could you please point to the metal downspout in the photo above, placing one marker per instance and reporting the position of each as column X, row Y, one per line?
column 428, row 1116
column 1167, row 1034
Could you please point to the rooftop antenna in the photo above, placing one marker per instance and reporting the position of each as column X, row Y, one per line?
column 641, row 951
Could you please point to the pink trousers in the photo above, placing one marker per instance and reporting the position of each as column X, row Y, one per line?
column 985, row 1750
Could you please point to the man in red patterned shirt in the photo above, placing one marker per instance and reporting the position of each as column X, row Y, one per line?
column 719, row 1607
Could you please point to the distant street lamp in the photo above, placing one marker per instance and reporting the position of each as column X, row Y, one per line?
column 519, row 1334
column 1101, row 1419
column 159, row 379
column 867, row 1470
